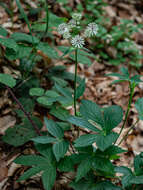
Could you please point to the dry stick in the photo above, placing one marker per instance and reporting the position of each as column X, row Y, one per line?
column 24, row 111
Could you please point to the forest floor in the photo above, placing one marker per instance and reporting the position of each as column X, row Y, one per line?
column 98, row 89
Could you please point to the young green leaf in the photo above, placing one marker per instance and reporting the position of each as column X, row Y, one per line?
column 31, row 160
column 83, row 123
column 49, row 177
column 103, row 142
column 110, row 117
column 9, row 43
column 85, row 140
column 44, row 139
column 66, row 164
column 8, row 80
column 91, row 111
column 53, row 128
column 83, row 168
column 36, row 91
column 60, row 148
column 105, row 185
column 138, row 164
column 31, row 172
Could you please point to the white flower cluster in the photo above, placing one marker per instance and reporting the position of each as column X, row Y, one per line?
column 66, row 29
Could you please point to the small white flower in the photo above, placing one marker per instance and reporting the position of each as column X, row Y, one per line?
column 77, row 16
column 77, row 41
column 72, row 23
column 66, row 35
column 91, row 30
column 63, row 28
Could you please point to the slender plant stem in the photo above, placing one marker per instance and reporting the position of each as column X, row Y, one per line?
column 24, row 111
column 75, row 81
column 126, row 135
column 128, row 109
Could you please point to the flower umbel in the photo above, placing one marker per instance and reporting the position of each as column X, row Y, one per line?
column 63, row 28
column 77, row 16
column 91, row 29
column 77, row 41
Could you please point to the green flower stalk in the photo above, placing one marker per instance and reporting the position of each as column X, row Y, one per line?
column 71, row 31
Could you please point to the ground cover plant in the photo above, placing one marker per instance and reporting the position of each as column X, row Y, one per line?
column 90, row 157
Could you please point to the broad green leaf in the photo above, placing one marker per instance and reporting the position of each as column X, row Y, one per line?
column 105, row 185
column 91, row 111
column 128, row 175
column 139, row 107
column 36, row 91
column 53, row 128
column 51, row 94
column 3, row 32
column 112, row 117
column 83, row 168
column 80, row 89
column 81, row 185
column 138, row 164
column 49, row 177
column 31, row 172
column 22, row 37
column 20, row 134
column 44, row 139
column 66, row 164
column 9, row 43
column 46, row 151
column 47, row 50
column 45, row 101
column 83, row 123
column 60, row 148
column 137, row 180
column 31, row 160
column 8, row 80
column 113, row 150
column 103, row 165
column 85, row 140
column 60, row 113
column 81, row 59
column 103, row 142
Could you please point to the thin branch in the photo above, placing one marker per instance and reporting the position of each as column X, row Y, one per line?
column 24, row 111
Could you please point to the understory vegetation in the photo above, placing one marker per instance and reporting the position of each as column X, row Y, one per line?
column 79, row 136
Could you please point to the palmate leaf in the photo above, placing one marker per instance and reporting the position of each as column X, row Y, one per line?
column 31, row 172
column 44, row 139
column 138, row 164
column 66, row 164
column 91, row 111
column 83, row 168
column 49, row 177
column 105, row 185
column 9, row 43
column 112, row 117
column 103, row 165
column 22, row 37
column 31, row 160
column 53, row 128
column 36, row 91
column 20, row 134
column 8, row 80
column 39, row 163
column 82, row 122
column 60, row 148
column 85, row 140
column 47, row 50
column 103, row 142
